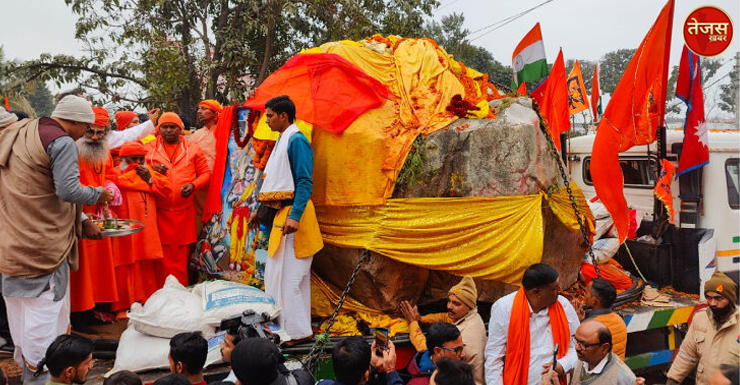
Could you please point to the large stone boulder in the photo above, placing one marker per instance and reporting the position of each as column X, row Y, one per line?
column 505, row 156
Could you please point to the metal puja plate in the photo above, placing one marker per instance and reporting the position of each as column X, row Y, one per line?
column 124, row 227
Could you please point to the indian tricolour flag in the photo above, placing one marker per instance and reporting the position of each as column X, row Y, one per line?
column 528, row 59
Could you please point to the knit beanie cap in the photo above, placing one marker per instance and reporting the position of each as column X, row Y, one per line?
column 723, row 285
column 75, row 109
column 6, row 117
column 466, row 291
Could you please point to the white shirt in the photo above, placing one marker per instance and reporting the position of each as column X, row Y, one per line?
column 540, row 340
column 598, row 368
column 118, row 138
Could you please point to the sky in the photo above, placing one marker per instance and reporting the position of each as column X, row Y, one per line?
column 585, row 29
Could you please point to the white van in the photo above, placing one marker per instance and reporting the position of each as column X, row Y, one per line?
column 720, row 204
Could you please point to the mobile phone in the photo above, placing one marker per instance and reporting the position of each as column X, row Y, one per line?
column 554, row 359
column 381, row 340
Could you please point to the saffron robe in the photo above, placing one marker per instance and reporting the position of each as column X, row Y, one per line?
column 175, row 213
column 135, row 276
column 95, row 281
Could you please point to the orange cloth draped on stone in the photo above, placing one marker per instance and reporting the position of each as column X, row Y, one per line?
column 329, row 91
column 95, row 281
column 136, row 279
column 516, row 367
column 374, row 146
column 175, row 213
column 632, row 116
column 221, row 135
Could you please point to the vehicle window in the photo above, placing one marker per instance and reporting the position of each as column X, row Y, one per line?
column 733, row 182
column 637, row 171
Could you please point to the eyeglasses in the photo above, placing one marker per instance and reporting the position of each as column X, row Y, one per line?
column 586, row 345
column 458, row 350
column 92, row 133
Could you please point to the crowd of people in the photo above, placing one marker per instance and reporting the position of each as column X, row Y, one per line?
column 63, row 180
column 62, row 176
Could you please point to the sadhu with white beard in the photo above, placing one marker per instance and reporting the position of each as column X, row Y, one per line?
column 139, row 253
column 95, row 281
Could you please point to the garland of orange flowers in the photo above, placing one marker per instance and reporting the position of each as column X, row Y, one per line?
column 262, row 150
column 380, row 39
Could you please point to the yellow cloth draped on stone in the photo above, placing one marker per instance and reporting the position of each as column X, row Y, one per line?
column 324, row 297
column 492, row 238
column 360, row 166
column 562, row 207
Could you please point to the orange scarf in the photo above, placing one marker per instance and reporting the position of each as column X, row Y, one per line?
column 516, row 366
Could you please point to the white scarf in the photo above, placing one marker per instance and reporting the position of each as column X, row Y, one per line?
column 277, row 178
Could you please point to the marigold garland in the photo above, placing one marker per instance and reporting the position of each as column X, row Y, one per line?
column 262, row 150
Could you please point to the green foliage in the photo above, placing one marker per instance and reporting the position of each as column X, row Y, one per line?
column 729, row 95
column 41, row 100
column 450, row 35
column 413, row 168
column 172, row 53
column 611, row 68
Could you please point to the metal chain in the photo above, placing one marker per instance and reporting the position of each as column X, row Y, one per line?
column 573, row 201
column 318, row 347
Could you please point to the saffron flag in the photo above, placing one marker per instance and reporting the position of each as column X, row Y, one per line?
column 522, row 90
column 662, row 188
column 577, row 97
column 328, row 90
column 595, row 96
column 634, row 113
column 528, row 60
column 552, row 98
column 695, row 152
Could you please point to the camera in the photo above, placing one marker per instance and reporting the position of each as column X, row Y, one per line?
column 249, row 325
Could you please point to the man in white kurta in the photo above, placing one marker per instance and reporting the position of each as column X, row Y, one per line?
column 295, row 235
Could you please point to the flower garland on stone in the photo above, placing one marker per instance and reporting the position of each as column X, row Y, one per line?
column 460, row 107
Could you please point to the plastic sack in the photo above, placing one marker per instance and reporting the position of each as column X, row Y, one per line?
column 170, row 310
column 139, row 352
column 224, row 299
column 602, row 218
column 604, row 249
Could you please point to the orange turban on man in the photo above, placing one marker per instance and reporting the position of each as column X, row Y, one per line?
column 170, row 117
column 101, row 117
column 211, row 105
column 133, row 149
column 124, row 118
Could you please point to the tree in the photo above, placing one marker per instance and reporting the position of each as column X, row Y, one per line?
column 41, row 100
column 452, row 37
column 728, row 97
column 612, row 67
column 172, row 53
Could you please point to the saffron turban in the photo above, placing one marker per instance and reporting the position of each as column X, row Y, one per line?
column 75, row 109
column 101, row 117
column 124, row 118
column 170, row 117
column 133, row 149
column 211, row 105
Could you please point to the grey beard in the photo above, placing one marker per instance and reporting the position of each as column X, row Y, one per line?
column 91, row 151
column 123, row 165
